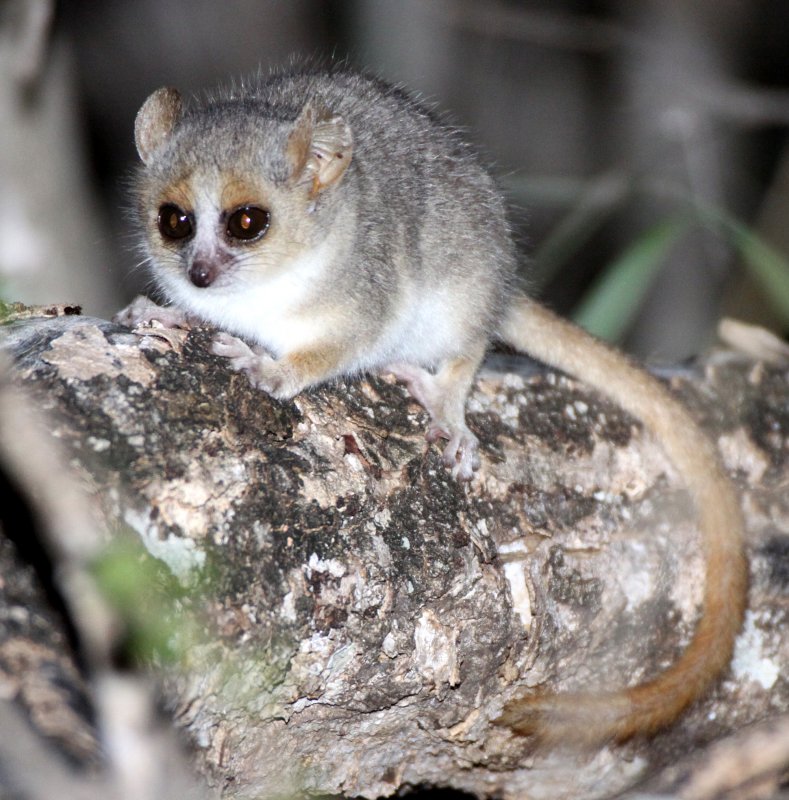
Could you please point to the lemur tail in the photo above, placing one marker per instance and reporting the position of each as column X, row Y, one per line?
column 643, row 709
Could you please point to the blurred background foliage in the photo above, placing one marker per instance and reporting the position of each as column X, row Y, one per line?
column 642, row 144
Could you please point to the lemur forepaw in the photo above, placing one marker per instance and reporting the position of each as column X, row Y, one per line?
column 142, row 311
column 263, row 371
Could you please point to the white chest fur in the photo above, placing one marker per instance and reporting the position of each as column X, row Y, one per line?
column 269, row 311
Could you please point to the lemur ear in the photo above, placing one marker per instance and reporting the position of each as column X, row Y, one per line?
column 156, row 121
column 319, row 148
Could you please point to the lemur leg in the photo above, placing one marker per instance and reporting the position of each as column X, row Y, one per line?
column 443, row 395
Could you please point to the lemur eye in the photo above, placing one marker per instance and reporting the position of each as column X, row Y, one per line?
column 248, row 222
column 174, row 222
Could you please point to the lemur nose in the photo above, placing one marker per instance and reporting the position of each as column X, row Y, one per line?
column 202, row 273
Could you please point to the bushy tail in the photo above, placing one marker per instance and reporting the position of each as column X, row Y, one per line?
column 643, row 709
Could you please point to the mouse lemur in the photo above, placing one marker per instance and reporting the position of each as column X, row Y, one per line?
column 339, row 227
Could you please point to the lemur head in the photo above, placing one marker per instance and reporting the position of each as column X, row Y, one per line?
column 231, row 188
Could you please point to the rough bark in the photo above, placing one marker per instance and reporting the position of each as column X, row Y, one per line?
column 364, row 617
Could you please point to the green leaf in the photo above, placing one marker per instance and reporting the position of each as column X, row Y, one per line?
column 592, row 209
column 614, row 298
column 144, row 594
column 768, row 267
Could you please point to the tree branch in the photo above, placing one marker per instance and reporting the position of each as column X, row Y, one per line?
column 365, row 617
